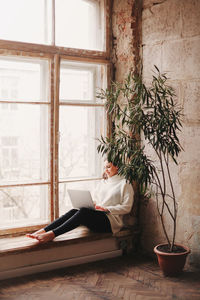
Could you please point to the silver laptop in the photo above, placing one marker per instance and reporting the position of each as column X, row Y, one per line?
column 81, row 198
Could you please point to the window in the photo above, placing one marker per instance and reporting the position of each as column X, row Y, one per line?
column 79, row 24
column 26, row 21
column 25, row 140
column 50, row 117
column 68, row 23
column 81, row 120
column 9, row 154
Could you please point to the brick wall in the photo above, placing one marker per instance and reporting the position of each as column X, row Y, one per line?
column 123, row 38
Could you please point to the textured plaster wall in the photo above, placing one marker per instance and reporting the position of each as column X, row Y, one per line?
column 171, row 40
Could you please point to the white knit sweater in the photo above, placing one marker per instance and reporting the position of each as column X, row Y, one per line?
column 116, row 195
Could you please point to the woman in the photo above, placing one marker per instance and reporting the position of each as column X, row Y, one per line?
column 113, row 198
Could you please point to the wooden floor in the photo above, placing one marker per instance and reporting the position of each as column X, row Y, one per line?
column 127, row 277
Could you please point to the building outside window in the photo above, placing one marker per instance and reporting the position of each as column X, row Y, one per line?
column 51, row 67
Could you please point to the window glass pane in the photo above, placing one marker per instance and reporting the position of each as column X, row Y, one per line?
column 79, row 128
column 79, row 24
column 24, row 206
column 23, row 79
column 26, row 21
column 80, row 82
column 64, row 200
column 24, row 144
column 76, row 84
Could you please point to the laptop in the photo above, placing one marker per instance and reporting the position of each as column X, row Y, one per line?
column 81, row 198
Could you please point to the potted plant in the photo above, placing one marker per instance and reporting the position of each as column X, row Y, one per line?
column 151, row 113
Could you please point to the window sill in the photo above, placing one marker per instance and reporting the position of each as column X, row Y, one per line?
column 21, row 256
column 23, row 244
column 82, row 234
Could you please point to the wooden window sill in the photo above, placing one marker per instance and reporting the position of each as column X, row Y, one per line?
column 79, row 235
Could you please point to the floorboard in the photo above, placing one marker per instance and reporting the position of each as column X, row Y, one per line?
column 128, row 277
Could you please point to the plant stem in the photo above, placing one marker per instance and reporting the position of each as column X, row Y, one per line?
column 163, row 173
column 161, row 214
column 174, row 201
column 165, row 203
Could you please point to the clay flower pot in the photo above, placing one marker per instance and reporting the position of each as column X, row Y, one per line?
column 171, row 264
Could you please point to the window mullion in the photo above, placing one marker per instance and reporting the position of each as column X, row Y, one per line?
column 53, row 22
column 51, row 81
column 56, row 135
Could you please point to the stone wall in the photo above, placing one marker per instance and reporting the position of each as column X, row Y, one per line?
column 171, row 41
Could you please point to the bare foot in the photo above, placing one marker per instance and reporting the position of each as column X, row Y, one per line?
column 35, row 234
column 45, row 237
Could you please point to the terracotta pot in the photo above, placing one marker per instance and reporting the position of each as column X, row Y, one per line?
column 171, row 264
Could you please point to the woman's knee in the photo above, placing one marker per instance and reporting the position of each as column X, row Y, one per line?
column 85, row 214
column 70, row 212
column 73, row 210
column 84, row 210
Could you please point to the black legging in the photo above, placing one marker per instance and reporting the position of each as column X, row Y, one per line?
column 95, row 220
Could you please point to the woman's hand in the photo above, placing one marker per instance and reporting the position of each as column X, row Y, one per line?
column 97, row 207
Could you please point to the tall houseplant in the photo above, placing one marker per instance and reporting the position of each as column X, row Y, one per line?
column 153, row 114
